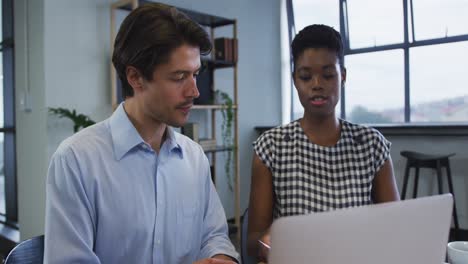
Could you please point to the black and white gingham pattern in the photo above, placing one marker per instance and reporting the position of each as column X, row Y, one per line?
column 311, row 178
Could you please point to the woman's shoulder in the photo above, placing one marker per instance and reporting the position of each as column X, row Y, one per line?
column 280, row 131
column 363, row 132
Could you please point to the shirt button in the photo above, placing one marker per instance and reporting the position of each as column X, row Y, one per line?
column 159, row 242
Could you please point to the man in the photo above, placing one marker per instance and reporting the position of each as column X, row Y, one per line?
column 130, row 189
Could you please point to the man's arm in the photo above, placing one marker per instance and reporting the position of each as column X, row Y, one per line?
column 215, row 240
column 224, row 257
column 69, row 225
column 214, row 260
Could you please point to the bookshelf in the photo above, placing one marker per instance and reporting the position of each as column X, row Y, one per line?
column 207, row 90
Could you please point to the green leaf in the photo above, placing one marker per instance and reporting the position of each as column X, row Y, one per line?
column 79, row 120
column 226, row 132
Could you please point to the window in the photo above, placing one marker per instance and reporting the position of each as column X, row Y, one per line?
column 364, row 86
column 440, row 18
column 8, row 199
column 404, row 59
column 438, row 80
column 308, row 12
column 366, row 27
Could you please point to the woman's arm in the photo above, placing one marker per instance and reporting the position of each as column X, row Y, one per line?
column 384, row 187
column 260, row 207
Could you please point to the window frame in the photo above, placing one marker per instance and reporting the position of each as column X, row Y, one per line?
column 10, row 218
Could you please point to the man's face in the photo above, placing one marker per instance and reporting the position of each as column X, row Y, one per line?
column 318, row 79
column 169, row 96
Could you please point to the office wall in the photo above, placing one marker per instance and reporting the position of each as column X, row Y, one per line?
column 68, row 47
column 77, row 55
column 31, row 130
column 61, row 61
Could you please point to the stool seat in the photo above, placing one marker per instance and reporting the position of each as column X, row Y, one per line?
column 424, row 157
column 417, row 160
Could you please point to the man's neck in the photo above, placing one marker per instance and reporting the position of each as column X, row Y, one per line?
column 153, row 132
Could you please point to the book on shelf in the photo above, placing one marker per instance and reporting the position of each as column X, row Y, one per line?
column 229, row 50
column 191, row 130
column 205, row 86
column 226, row 49
column 234, row 50
column 220, row 45
column 207, row 143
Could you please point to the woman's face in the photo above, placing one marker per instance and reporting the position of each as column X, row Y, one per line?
column 318, row 79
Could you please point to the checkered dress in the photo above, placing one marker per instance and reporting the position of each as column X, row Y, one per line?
column 311, row 178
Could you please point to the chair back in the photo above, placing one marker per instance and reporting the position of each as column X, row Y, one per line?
column 245, row 258
column 30, row 251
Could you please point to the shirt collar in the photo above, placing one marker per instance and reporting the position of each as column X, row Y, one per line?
column 125, row 136
column 173, row 142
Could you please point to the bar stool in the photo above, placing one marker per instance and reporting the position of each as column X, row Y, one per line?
column 420, row 160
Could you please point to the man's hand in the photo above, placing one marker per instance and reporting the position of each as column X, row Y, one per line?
column 214, row 261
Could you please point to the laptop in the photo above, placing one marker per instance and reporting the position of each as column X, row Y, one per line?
column 405, row 232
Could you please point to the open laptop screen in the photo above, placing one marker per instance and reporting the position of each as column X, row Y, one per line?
column 405, row 232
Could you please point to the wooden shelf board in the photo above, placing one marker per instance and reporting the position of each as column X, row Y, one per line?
column 212, row 107
column 218, row 149
column 218, row 64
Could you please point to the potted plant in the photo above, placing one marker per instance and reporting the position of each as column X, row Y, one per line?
column 79, row 120
column 226, row 131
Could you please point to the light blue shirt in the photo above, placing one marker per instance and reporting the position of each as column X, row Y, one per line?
column 112, row 199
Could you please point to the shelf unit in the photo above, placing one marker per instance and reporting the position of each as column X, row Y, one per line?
column 211, row 22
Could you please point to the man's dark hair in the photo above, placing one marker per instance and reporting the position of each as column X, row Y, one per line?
column 147, row 37
column 317, row 36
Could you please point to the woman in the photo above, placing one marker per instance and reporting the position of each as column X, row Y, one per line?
column 319, row 162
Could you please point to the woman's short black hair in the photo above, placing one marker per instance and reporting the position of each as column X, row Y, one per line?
column 147, row 37
column 317, row 36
